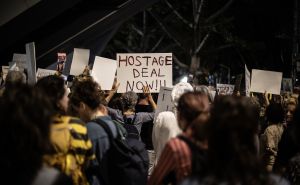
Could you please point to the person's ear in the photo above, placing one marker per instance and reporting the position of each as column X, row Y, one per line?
column 82, row 106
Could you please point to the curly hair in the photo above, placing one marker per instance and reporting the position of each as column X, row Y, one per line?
column 129, row 100
column 25, row 117
column 87, row 91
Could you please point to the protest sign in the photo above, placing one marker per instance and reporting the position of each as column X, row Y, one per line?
column 247, row 81
column 31, row 63
column 80, row 61
column 20, row 61
column 61, row 60
column 225, row 89
column 104, row 71
column 164, row 101
column 44, row 72
column 266, row 81
column 136, row 70
column 287, row 85
column 4, row 71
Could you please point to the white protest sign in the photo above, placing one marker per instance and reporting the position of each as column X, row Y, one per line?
column 20, row 60
column 4, row 71
column 136, row 70
column 225, row 89
column 80, row 61
column 164, row 101
column 287, row 85
column 44, row 72
column 31, row 63
column 104, row 71
column 266, row 81
column 247, row 81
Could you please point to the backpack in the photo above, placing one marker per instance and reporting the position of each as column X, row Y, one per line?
column 132, row 131
column 199, row 158
column 64, row 157
column 126, row 162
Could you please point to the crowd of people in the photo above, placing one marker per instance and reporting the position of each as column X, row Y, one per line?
column 61, row 133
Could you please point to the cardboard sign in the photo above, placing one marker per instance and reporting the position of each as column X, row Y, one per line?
column 44, row 72
column 225, row 89
column 164, row 101
column 136, row 70
column 4, row 71
column 266, row 81
column 104, row 71
column 31, row 63
column 20, row 60
column 247, row 81
column 287, row 85
column 61, row 60
column 80, row 61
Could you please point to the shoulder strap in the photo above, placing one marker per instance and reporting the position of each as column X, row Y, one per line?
column 105, row 127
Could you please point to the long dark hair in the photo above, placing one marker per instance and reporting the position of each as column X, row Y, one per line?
column 25, row 117
column 54, row 88
column 232, row 151
column 193, row 108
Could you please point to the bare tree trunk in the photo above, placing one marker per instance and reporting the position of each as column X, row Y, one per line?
column 195, row 64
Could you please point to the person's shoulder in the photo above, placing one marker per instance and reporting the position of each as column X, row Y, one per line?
column 176, row 145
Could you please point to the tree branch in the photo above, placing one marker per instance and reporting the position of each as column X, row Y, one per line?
column 199, row 12
column 163, row 26
column 180, row 64
column 157, row 44
column 220, row 11
column 178, row 14
column 202, row 43
column 140, row 32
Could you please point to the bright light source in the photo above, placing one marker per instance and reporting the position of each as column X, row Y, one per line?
column 184, row 79
column 296, row 80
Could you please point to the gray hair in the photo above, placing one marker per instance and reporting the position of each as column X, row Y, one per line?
column 129, row 100
column 204, row 90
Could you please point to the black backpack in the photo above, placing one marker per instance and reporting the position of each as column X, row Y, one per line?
column 126, row 161
column 132, row 131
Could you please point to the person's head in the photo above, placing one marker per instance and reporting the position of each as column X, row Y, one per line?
column 193, row 112
column 205, row 90
column 25, row 117
column 290, row 109
column 15, row 77
column 55, row 89
column 233, row 125
column 275, row 113
column 179, row 89
column 86, row 99
column 129, row 100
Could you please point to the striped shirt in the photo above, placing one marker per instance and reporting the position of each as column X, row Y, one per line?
column 72, row 148
column 176, row 158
